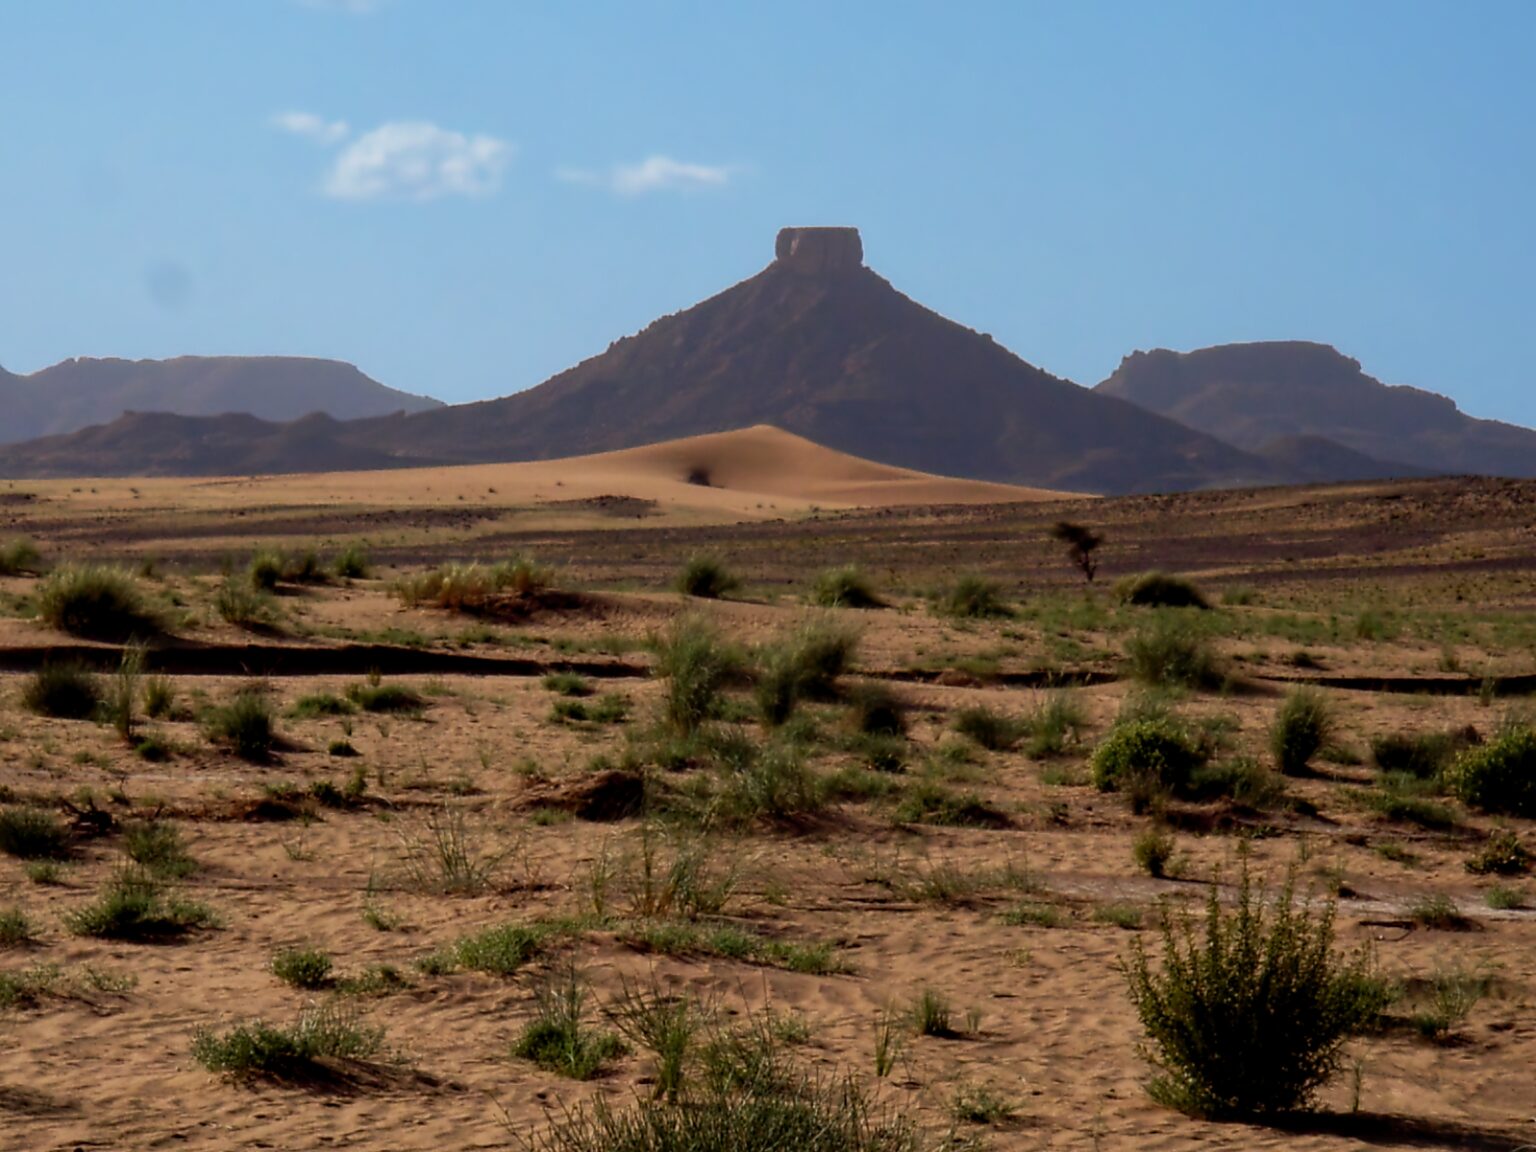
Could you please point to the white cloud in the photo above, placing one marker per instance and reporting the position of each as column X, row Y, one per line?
column 417, row 160
column 312, row 127
column 653, row 174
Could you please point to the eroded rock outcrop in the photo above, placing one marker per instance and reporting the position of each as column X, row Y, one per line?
column 817, row 251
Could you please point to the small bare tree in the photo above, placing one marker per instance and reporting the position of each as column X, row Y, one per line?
column 1082, row 542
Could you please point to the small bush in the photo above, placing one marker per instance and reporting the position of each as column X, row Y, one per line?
column 557, row 1040
column 265, row 571
column 774, row 784
column 158, row 847
column 386, row 698
column 972, row 598
column 317, row 1045
column 1160, row 590
column 351, row 563
column 500, row 951
column 1500, row 776
column 95, row 602
column 471, row 588
column 665, row 1025
column 1250, row 1018
column 804, row 666
column 317, row 704
column 245, row 607
column 32, row 834
column 1438, row 913
column 927, row 802
column 877, row 711
column 568, row 684
column 64, row 691
column 307, row 968
column 1147, row 759
column 159, row 697
column 1054, row 723
column 1502, row 854
column 1153, row 851
column 1168, row 653
column 931, row 1015
column 1242, row 779
column 707, row 578
column 20, row 558
column 245, row 725
column 134, row 905
column 1301, row 729
column 989, row 729
column 845, row 587
column 16, row 931
column 696, row 665
column 1425, row 755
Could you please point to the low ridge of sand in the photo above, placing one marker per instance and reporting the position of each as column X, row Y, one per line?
column 753, row 473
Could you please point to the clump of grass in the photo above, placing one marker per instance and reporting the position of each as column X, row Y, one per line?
column 265, row 571
column 928, row 802
column 1502, row 854
column 1250, row 1016
column 448, row 854
column 1301, row 728
column 772, row 784
column 64, row 691
column 877, row 711
column 123, row 692
column 95, row 602
column 979, row 1104
column 158, row 847
column 159, row 697
column 803, row 666
column 1153, row 851
column 1448, row 999
column 931, row 1015
column 20, row 558
column 1160, row 590
column 1425, row 755
column 16, row 930
column 1438, row 913
column 568, row 684
column 386, row 698
column 557, row 1039
column 28, row 986
column 500, row 951
column 697, row 665
column 972, row 598
column 845, row 587
column 665, row 1025
column 1167, row 652
column 318, row 704
column 1409, row 800
column 352, row 563
column 472, row 588
column 707, row 578
column 245, row 725
column 1502, row 898
column 320, row 1044
column 1242, row 779
column 134, row 905
column 991, row 730
column 32, row 834
column 244, row 606
column 1055, row 723
column 665, row 875
column 1500, row 776
column 308, row 968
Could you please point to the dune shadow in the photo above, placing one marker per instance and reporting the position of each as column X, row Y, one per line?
column 1387, row 1130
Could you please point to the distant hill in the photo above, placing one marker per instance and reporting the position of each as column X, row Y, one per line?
column 79, row 393
column 1255, row 395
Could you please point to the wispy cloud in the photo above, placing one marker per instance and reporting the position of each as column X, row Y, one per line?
column 352, row 7
column 312, row 127
column 653, row 174
column 417, row 160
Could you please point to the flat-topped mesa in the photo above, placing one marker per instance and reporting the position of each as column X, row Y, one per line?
column 818, row 251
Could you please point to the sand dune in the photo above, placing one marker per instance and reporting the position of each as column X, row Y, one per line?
column 753, row 473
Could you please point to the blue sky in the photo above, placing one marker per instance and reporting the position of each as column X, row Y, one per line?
column 464, row 198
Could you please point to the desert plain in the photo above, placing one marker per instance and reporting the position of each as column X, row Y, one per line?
column 907, row 875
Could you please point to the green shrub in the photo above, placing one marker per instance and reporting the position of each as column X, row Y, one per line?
column 1500, row 776
column 696, row 665
column 1250, row 1017
column 1052, row 725
column 134, row 905
column 707, row 578
column 1241, row 779
column 305, row 568
column 989, row 729
column 65, row 691
column 316, row 1046
column 773, row 784
column 95, row 602
column 1408, row 799
column 500, row 951
column 245, row 725
column 877, row 711
column 158, row 847
column 32, row 834
column 845, row 587
column 1159, row 590
column 159, row 697
column 1148, row 760
column 307, row 968
column 123, row 692
column 1168, row 652
column 1502, row 854
column 664, row 1024
column 265, row 571
column 931, row 1015
column 352, row 563
column 804, row 666
column 557, row 1039
column 472, row 587
column 16, row 931
column 928, row 802
column 1301, row 728
column 317, row 704
column 244, row 606
column 568, row 684
column 385, row 698
column 1425, row 755
column 1153, row 851
column 20, row 558
column 972, row 598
